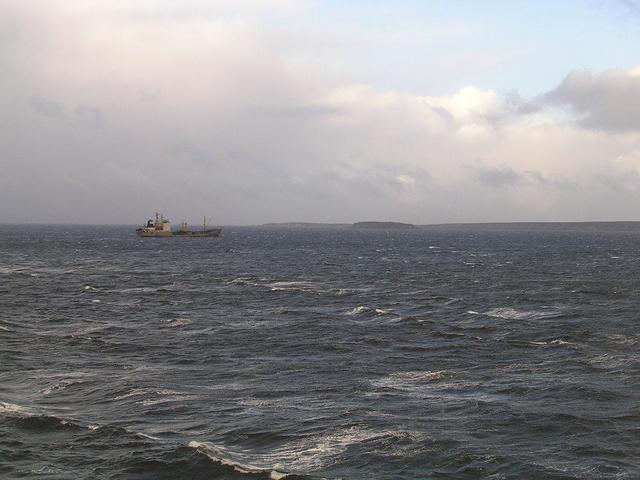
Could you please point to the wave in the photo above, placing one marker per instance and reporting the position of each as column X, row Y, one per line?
column 13, row 410
column 158, row 289
column 552, row 343
column 177, row 322
column 302, row 286
column 59, row 386
column 297, row 286
column 147, row 392
column 623, row 339
column 36, row 420
column 306, row 455
column 197, row 460
column 141, row 455
column 224, row 456
column 508, row 313
column 99, row 329
column 275, row 286
column 412, row 379
column 366, row 309
column 243, row 281
column 148, row 397
column 315, row 452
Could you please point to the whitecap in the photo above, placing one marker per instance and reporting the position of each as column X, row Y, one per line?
column 166, row 399
column 555, row 343
column 47, row 470
column 220, row 454
column 411, row 379
column 14, row 410
column 56, row 387
column 611, row 361
column 255, row 403
column 154, row 396
column 317, row 451
column 178, row 322
column 138, row 392
column 362, row 309
column 508, row 313
column 302, row 455
column 170, row 287
column 345, row 291
column 623, row 339
column 243, row 281
column 291, row 286
column 358, row 310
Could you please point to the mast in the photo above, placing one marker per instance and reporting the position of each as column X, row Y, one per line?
column 204, row 224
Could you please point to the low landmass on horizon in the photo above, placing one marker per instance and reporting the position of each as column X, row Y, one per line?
column 384, row 225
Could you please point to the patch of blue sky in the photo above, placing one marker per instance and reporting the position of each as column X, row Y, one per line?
column 437, row 47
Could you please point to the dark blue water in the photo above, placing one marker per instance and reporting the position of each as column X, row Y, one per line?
column 501, row 352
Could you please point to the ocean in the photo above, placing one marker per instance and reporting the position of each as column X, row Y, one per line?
column 447, row 352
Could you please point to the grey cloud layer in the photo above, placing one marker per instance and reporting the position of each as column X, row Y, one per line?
column 81, row 115
column 607, row 101
column 111, row 115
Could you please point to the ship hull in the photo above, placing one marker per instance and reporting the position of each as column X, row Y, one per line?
column 213, row 233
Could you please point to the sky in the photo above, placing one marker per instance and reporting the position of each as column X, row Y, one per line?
column 256, row 111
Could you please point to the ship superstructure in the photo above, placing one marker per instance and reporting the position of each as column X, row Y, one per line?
column 161, row 227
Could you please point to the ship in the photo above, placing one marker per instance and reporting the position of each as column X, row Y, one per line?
column 161, row 227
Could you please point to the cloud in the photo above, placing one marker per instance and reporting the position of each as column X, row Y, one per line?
column 188, row 152
column 308, row 111
column 504, row 176
column 607, row 100
column 498, row 177
column 81, row 115
column 88, row 116
column 632, row 6
column 192, row 113
column 46, row 107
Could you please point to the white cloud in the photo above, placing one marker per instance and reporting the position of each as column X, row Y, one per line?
column 471, row 105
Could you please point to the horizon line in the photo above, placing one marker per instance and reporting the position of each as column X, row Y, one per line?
column 302, row 223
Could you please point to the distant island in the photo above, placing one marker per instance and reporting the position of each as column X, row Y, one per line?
column 384, row 225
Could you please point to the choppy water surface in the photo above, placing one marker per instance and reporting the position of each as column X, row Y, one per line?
column 447, row 353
